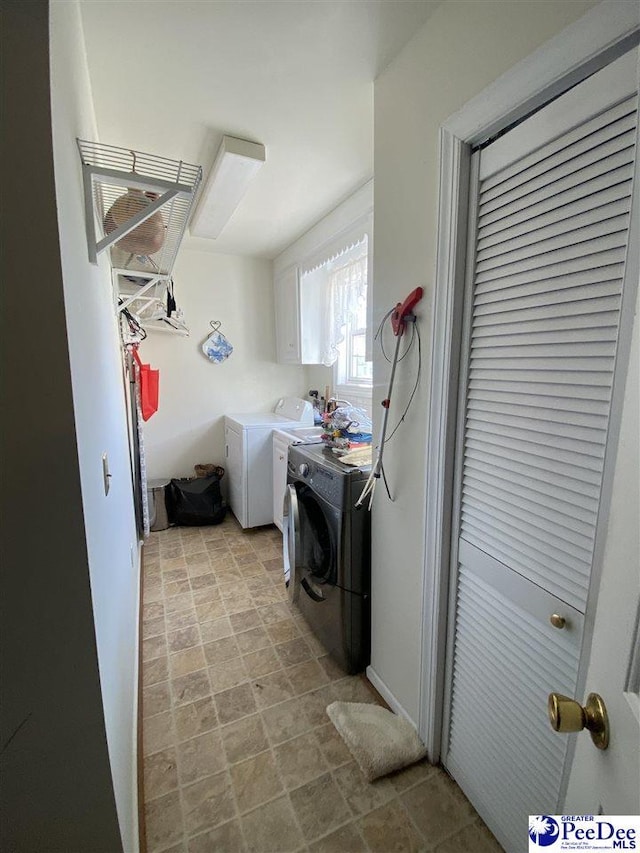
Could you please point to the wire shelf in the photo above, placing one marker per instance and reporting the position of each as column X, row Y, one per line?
column 139, row 202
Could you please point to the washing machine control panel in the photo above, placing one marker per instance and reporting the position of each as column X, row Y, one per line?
column 323, row 482
column 328, row 485
column 309, row 465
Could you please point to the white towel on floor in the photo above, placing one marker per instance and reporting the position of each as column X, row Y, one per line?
column 378, row 740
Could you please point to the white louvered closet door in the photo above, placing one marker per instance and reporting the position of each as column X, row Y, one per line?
column 551, row 220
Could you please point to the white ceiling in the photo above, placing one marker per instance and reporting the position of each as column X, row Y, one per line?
column 170, row 78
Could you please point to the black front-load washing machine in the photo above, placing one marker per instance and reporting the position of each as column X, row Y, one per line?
column 327, row 552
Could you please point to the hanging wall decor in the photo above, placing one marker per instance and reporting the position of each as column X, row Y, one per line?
column 216, row 347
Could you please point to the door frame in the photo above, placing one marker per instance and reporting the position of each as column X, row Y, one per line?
column 597, row 38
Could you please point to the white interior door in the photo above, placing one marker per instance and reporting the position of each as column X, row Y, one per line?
column 550, row 226
column 609, row 782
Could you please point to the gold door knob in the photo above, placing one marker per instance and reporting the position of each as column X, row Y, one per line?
column 567, row 715
column 557, row 621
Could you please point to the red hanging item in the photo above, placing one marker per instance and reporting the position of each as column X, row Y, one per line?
column 149, row 380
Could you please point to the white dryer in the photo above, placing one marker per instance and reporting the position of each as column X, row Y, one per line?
column 281, row 442
column 249, row 457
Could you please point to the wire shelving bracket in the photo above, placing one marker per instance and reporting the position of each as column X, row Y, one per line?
column 155, row 193
column 144, row 294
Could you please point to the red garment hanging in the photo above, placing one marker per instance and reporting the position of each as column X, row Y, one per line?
column 149, row 381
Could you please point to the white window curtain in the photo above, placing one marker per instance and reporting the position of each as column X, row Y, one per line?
column 334, row 280
column 346, row 298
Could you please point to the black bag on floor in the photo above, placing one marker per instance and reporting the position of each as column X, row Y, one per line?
column 196, row 501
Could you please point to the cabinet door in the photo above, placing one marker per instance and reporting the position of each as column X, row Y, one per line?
column 280, row 453
column 236, row 480
column 287, row 310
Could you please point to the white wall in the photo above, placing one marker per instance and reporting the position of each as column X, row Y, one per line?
column 98, row 400
column 318, row 376
column 324, row 232
column 67, row 704
column 463, row 47
column 195, row 393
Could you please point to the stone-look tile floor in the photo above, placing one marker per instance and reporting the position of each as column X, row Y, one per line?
column 239, row 754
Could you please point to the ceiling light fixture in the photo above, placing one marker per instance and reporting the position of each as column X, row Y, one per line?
column 235, row 166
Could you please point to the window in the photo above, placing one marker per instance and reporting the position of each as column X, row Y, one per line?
column 334, row 310
column 351, row 367
column 346, row 316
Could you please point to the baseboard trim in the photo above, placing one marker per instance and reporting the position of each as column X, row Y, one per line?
column 142, row 825
column 388, row 696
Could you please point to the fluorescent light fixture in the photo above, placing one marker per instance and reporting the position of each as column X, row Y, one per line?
column 235, row 166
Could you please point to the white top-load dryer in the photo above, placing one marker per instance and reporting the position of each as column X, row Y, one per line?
column 281, row 442
column 249, row 457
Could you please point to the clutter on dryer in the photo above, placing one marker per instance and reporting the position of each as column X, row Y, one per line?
column 360, row 457
column 318, row 406
column 346, row 428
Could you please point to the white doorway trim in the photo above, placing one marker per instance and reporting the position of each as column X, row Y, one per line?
column 600, row 36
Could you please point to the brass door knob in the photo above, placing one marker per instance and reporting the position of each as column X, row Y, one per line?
column 567, row 715
column 557, row 621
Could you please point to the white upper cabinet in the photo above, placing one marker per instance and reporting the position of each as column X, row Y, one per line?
column 287, row 308
column 299, row 310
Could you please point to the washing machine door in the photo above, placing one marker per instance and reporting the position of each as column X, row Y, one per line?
column 291, row 541
column 316, row 524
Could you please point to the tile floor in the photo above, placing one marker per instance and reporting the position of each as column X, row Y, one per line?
column 239, row 754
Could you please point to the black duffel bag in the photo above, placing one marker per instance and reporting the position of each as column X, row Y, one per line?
column 196, row 501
